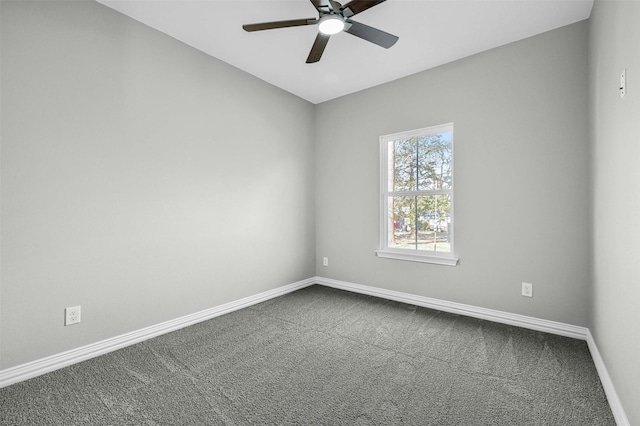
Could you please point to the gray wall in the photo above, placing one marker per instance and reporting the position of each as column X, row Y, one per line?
column 521, row 176
column 141, row 179
column 614, row 39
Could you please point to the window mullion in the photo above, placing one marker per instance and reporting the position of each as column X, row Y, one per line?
column 415, row 224
column 415, row 198
column 414, row 193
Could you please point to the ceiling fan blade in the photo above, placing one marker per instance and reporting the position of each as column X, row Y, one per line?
column 356, row 6
column 318, row 48
column 322, row 6
column 371, row 34
column 279, row 24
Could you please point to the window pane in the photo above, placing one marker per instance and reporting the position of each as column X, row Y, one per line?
column 434, row 222
column 402, row 215
column 434, row 160
column 420, row 223
column 404, row 163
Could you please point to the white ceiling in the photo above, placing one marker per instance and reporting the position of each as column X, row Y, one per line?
column 431, row 32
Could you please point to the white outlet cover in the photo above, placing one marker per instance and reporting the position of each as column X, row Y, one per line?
column 72, row 315
column 527, row 289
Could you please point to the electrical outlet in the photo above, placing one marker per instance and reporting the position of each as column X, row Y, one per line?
column 72, row 315
column 527, row 289
column 325, row 261
column 623, row 83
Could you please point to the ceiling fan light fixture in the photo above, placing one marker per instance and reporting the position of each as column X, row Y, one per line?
column 331, row 24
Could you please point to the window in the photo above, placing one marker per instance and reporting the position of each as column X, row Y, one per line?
column 417, row 195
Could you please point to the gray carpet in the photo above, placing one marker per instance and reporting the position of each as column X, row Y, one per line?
column 321, row 356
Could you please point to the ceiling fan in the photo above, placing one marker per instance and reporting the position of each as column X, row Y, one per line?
column 333, row 19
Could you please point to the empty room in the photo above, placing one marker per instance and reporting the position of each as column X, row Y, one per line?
column 312, row 212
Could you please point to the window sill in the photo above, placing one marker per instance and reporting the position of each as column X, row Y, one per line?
column 424, row 258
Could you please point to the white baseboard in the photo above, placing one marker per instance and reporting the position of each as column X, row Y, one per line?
column 607, row 384
column 532, row 323
column 64, row 359
column 523, row 321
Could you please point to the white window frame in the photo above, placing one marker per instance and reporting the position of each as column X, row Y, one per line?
column 414, row 255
